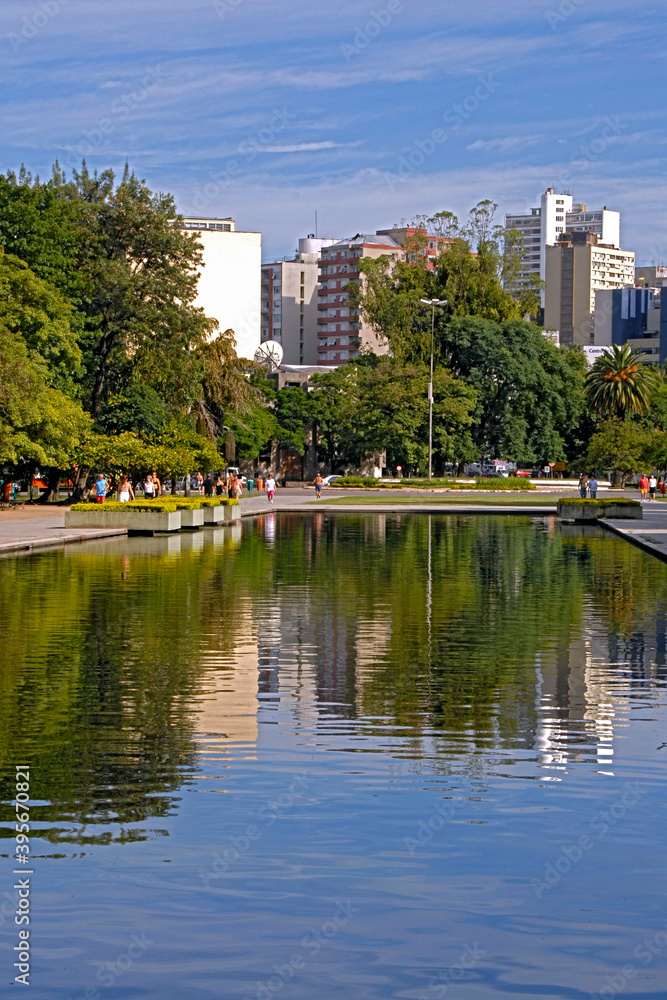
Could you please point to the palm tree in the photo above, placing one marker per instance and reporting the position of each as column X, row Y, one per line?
column 618, row 383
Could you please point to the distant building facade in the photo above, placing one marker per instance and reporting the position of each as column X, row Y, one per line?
column 576, row 268
column 556, row 214
column 651, row 277
column 229, row 281
column 633, row 316
column 341, row 331
column 289, row 302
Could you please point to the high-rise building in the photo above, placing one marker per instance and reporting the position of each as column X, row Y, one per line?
column 633, row 316
column 576, row 268
column 556, row 214
column 229, row 281
column 341, row 330
column 289, row 302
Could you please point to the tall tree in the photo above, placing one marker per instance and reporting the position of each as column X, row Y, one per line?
column 619, row 384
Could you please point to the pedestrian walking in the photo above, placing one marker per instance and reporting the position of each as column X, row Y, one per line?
column 125, row 491
column 101, row 487
column 150, row 487
column 593, row 487
column 219, row 486
column 662, row 485
column 652, row 486
column 270, row 487
column 643, row 486
column 199, row 483
column 208, row 486
column 318, row 486
column 583, row 485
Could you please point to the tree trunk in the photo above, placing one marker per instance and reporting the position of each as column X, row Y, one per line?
column 50, row 494
column 80, row 485
column 618, row 480
column 186, row 484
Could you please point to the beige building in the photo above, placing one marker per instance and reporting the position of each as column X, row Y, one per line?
column 289, row 302
column 229, row 281
column 576, row 268
column 341, row 330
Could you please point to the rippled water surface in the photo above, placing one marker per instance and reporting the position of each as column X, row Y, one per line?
column 340, row 757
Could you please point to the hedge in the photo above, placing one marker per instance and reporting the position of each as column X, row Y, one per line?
column 614, row 501
column 158, row 506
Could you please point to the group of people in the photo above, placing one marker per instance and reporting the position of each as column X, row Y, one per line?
column 588, row 486
column 150, row 487
column 649, row 484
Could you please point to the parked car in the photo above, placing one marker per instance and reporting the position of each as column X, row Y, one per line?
column 330, row 480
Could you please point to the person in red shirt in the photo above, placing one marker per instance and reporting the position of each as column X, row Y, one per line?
column 643, row 486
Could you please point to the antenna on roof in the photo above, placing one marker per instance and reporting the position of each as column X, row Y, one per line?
column 315, row 225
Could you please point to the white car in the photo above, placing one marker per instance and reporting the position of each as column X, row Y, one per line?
column 330, row 480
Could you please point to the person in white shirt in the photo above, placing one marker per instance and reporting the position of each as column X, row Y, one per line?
column 270, row 487
column 652, row 487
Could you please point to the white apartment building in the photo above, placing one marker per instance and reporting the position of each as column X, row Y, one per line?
column 341, row 330
column 230, row 279
column 289, row 302
column 576, row 268
column 557, row 214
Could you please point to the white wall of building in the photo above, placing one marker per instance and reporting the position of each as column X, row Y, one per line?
column 230, row 281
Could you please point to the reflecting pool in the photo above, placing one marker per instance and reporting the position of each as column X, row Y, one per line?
column 339, row 756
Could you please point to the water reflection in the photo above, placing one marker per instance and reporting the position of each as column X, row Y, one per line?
column 136, row 664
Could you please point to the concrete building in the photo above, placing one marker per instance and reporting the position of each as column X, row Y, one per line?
column 341, row 332
column 634, row 316
column 289, row 302
column 651, row 277
column 229, row 281
column 434, row 245
column 576, row 268
column 558, row 213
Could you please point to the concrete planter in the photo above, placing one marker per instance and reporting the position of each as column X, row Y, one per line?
column 593, row 510
column 192, row 519
column 214, row 515
column 231, row 513
column 135, row 521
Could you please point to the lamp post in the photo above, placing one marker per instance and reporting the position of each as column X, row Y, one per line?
column 432, row 303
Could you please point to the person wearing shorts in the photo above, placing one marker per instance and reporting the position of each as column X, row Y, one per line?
column 101, row 487
column 643, row 487
column 652, row 486
column 270, row 487
column 318, row 486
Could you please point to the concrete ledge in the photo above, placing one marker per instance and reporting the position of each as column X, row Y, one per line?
column 56, row 541
column 134, row 521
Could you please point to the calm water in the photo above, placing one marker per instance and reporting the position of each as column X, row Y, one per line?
column 340, row 757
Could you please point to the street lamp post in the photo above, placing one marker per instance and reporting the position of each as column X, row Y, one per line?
column 432, row 303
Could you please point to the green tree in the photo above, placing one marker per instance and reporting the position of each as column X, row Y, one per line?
column 620, row 448
column 619, row 384
column 382, row 403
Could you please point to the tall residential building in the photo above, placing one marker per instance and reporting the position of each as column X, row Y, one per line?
column 634, row 316
column 289, row 302
column 229, row 281
column 342, row 331
column 557, row 213
column 576, row 268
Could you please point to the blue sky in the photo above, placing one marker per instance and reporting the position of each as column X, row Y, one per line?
column 368, row 112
